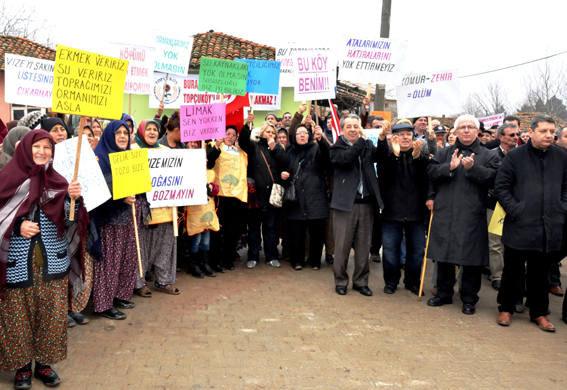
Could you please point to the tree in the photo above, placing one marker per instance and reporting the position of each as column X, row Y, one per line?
column 546, row 88
column 493, row 99
column 24, row 22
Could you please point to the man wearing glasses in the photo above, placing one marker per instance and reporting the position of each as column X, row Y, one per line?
column 461, row 174
column 286, row 121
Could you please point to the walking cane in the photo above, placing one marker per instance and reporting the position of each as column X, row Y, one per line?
column 425, row 259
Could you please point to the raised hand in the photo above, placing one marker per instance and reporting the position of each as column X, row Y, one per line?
column 396, row 145
column 417, row 144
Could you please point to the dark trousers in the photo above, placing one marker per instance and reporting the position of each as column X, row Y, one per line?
column 471, row 281
column 392, row 237
column 555, row 273
column 537, row 282
column 265, row 219
column 297, row 231
column 376, row 234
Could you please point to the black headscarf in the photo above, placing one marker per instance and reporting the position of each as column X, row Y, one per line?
column 298, row 152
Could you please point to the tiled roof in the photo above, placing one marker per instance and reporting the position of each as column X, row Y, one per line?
column 23, row 47
column 526, row 118
column 215, row 44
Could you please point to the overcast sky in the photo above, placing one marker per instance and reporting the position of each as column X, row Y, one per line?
column 471, row 36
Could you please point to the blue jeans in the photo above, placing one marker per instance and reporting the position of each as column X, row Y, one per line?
column 266, row 219
column 392, row 235
column 203, row 238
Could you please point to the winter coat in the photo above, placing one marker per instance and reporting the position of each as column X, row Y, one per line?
column 531, row 186
column 459, row 233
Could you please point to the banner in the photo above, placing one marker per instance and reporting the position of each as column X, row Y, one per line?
column 286, row 56
column 93, row 186
column 428, row 94
column 263, row 76
column 263, row 102
column 372, row 61
column 28, row 81
column 140, row 74
column 492, row 120
column 130, row 173
column 172, row 54
column 223, row 76
column 315, row 76
column 88, row 84
column 178, row 177
column 203, row 121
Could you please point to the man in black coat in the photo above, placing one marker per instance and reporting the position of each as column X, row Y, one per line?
column 462, row 174
column 355, row 197
column 531, row 186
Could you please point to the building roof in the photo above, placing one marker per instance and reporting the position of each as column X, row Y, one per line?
column 527, row 117
column 23, row 47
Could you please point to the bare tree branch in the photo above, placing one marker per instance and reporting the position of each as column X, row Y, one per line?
column 23, row 22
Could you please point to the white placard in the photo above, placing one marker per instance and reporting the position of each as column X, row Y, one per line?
column 140, row 59
column 263, row 102
column 315, row 76
column 172, row 54
column 492, row 120
column 425, row 94
column 28, row 81
column 94, row 189
column 286, row 55
column 180, row 90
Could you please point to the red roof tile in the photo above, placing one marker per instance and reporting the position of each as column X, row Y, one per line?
column 23, row 47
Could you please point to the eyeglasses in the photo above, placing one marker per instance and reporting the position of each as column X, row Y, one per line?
column 471, row 128
column 124, row 133
column 404, row 135
column 302, row 133
column 287, row 117
column 513, row 135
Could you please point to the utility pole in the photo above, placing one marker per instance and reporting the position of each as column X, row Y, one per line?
column 380, row 94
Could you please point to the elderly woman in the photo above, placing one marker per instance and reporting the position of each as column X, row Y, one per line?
column 56, row 127
column 308, row 163
column 33, row 265
column 10, row 142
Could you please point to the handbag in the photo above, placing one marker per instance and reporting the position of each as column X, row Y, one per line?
column 276, row 196
column 290, row 194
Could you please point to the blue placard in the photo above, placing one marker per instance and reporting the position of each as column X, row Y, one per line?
column 263, row 76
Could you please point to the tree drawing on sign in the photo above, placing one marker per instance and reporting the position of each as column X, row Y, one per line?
column 231, row 180
column 207, row 217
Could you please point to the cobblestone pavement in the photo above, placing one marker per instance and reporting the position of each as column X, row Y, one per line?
column 269, row 328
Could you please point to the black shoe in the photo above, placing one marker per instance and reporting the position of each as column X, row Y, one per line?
column 330, row 259
column 70, row 322
column 341, row 290
column 364, row 290
column 389, row 289
column 219, row 268
column 496, row 284
column 375, row 257
column 23, row 380
column 519, row 307
column 205, row 264
column 148, row 277
column 415, row 291
column 436, row 301
column 468, row 309
column 113, row 314
column 565, row 319
column 79, row 318
column 123, row 304
column 486, row 271
column 229, row 267
column 47, row 376
column 195, row 271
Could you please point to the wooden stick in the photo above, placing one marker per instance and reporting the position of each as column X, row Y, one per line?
column 316, row 116
column 425, row 258
column 77, row 159
column 429, row 124
column 252, row 103
column 130, row 104
column 175, row 227
column 137, row 240
column 164, row 85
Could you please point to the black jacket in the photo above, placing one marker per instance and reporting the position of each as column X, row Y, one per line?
column 345, row 160
column 531, row 186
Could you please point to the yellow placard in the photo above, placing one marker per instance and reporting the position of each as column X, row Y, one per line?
column 497, row 222
column 88, row 84
column 130, row 173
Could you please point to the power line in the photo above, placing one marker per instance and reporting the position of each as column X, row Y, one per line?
column 513, row 66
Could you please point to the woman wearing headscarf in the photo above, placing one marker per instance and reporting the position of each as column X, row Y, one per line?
column 56, row 127
column 10, row 142
column 115, row 251
column 38, row 247
column 3, row 131
column 308, row 163
column 159, row 247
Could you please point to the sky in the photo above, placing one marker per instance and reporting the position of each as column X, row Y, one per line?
column 471, row 36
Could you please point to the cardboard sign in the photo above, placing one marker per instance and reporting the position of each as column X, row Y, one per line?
column 28, row 81
column 180, row 90
column 497, row 221
column 492, row 120
column 93, row 186
column 223, row 76
column 314, row 76
column 88, row 84
column 264, row 102
column 140, row 67
column 263, row 76
column 130, row 173
column 172, row 53
column 376, row 61
column 203, row 121
column 429, row 94
column 286, row 54
column 178, row 177
column 387, row 115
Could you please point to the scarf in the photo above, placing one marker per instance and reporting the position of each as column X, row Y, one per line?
column 141, row 134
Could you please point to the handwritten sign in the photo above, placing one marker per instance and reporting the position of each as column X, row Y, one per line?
column 203, row 121
column 263, row 76
column 492, row 120
column 93, row 186
column 88, row 84
column 223, row 76
column 140, row 74
column 286, row 55
column 376, row 61
column 387, row 115
column 428, row 94
column 29, row 81
column 130, row 173
column 497, row 221
column 266, row 102
column 314, row 76
column 178, row 177
column 172, row 53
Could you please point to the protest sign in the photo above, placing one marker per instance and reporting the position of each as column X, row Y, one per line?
column 130, row 173
column 497, row 221
column 387, row 115
column 172, row 53
column 202, row 121
column 492, row 120
column 88, row 84
column 28, row 81
column 314, row 76
column 372, row 135
column 378, row 61
column 223, row 76
column 264, row 102
column 178, row 177
column 428, row 94
column 140, row 59
column 179, row 90
column 287, row 53
column 93, row 186
column 263, row 76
